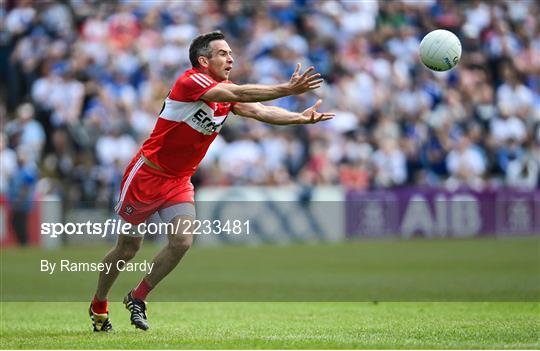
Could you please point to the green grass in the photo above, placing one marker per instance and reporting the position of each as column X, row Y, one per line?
column 315, row 296
column 278, row 325
column 413, row 270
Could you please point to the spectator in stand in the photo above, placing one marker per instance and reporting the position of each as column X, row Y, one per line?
column 389, row 165
column 8, row 164
column 26, row 131
column 524, row 172
column 21, row 193
column 466, row 165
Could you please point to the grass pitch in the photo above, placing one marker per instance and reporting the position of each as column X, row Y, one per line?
column 339, row 285
column 278, row 325
column 479, row 270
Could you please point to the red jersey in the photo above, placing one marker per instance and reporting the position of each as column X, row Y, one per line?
column 186, row 125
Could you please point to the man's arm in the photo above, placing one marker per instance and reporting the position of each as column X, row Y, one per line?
column 298, row 84
column 280, row 116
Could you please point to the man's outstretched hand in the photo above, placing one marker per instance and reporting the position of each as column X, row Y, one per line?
column 311, row 115
column 301, row 83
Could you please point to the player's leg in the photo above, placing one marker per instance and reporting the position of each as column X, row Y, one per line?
column 177, row 245
column 179, row 242
column 125, row 249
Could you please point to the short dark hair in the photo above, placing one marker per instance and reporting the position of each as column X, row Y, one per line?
column 200, row 46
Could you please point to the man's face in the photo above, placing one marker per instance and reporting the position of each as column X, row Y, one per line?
column 221, row 62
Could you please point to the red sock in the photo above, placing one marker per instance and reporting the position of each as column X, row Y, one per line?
column 141, row 290
column 100, row 306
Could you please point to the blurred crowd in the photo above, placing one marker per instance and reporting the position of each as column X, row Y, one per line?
column 84, row 80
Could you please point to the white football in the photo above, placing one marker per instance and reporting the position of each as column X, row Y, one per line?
column 440, row 50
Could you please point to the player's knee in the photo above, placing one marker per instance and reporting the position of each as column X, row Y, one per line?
column 128, row 250
column 180, row 243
